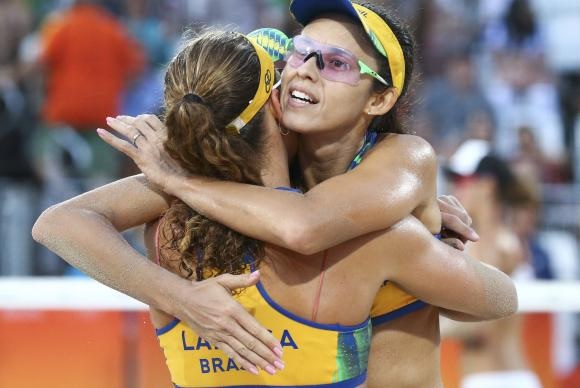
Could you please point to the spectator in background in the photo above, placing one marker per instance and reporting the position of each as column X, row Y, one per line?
column 492, row 351
column 519, row 85
column 516, row 31
column 88, row 59
column 454, row 101
column 524, row 223
column 146, row 94
column 15, row 24
column 17, row 188
column 530, row 159
column 560, row 21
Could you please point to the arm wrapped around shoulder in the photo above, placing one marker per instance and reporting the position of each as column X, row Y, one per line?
column 465, row 288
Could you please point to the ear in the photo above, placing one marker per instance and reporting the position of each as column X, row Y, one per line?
column 275, row 105
column 380, row 103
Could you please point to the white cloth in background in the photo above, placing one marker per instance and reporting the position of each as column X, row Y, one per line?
column 504, row 379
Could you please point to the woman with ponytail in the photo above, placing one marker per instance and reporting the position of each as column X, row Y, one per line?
column 349, row 121
column 301, row 297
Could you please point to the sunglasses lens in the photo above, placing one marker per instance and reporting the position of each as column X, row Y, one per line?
column 339, row 64
column 341, row 67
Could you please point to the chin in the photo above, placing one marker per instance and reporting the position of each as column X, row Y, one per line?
column 299, row 125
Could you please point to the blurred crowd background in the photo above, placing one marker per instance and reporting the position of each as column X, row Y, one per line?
column 501, row 76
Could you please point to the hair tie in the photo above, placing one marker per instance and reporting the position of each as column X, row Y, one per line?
column 192, row 97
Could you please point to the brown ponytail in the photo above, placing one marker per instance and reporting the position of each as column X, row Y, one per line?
column 221, row 69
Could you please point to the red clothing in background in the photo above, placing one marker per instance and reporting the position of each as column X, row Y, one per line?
column 88, row 58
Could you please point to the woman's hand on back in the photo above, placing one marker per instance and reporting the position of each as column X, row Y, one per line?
column 211, row 311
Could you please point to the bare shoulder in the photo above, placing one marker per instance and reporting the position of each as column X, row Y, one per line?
column 409, row 150
column 510, row 250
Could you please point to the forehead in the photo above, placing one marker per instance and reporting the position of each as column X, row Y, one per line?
column 340, row 31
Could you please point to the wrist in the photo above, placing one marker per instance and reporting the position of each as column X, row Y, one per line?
column 165, row 290
column 173, row 184
column 171, row 300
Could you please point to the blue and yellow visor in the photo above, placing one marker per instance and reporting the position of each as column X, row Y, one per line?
column 270, row 45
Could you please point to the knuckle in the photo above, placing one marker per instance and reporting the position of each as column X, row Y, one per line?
column 223, row 322
column 251, row 345
column 254, row 331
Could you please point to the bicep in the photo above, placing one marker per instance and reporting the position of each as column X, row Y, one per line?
column 126, row 203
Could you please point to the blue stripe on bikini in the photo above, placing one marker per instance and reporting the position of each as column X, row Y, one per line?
column 370, row 141
column 350, row 383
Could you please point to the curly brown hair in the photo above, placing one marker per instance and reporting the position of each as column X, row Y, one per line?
column 223, row 69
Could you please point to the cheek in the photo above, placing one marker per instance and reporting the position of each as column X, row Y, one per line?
column 345, row 100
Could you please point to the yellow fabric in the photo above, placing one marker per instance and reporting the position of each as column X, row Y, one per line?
column 310, row 353
column 389, row 299
column 262, row 93
column 386, row 42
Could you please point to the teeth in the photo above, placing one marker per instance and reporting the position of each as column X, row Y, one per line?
column 301, row 96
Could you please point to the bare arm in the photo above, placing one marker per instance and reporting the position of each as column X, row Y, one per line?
column 445, row 277
column 372, row 197
column 85, row 232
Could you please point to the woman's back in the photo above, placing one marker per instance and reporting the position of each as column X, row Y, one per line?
column 332, row 346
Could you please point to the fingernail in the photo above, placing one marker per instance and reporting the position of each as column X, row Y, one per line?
column 255, row 274
column 253, row 370
column 270, row 369
column 278, row 351
column 100, row 131
column 109, row 119
column 279, row 365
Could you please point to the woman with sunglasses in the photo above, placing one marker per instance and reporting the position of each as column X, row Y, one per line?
column 334, row 106
column 300, row 298
column 303, row 94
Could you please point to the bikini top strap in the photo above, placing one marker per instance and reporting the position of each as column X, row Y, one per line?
column 319, row 290
column 370, row 140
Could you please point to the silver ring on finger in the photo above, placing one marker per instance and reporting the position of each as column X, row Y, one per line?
column 134, row 141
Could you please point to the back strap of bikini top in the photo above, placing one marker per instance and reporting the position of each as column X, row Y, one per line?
column 319, row 290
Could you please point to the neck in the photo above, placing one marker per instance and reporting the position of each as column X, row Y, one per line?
column 323, row 156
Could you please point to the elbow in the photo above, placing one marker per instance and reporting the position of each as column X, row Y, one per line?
column 41, row 229
column 49, row 223
column 300, row 237
column 504, row 300
column 511, row 300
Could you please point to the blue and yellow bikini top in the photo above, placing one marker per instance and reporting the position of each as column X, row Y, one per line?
column 315, row 355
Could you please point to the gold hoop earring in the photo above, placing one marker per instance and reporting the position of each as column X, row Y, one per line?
column 284, row 131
